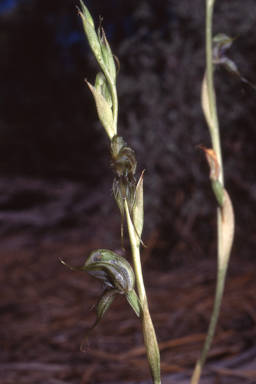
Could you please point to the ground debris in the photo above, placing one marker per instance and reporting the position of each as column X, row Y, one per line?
column 45, row 312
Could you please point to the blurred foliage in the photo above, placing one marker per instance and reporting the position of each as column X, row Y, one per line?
column 49, row 126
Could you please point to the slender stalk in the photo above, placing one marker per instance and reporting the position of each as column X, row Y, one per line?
column 149, row 334
column 212, row 326
column 214, row 128
column 215, row 137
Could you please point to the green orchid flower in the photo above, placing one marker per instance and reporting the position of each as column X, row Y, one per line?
column 117, row 276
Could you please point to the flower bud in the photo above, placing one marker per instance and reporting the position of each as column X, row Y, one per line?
column 104, row 111
column 107, row 53
column 101, row 85
column 221, row 43
column 91, row 35
column 87, row 14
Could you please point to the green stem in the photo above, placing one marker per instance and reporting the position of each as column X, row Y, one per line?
column 214, row 318
column 215, row 137
column 149, row 334
column 214, row 129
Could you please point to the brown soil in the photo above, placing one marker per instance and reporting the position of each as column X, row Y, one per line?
column 46, row 310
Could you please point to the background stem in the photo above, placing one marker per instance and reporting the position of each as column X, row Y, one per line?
column 215, row 137
column 214, row 128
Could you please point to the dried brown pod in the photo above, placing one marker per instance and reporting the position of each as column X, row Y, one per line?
column 123, row 162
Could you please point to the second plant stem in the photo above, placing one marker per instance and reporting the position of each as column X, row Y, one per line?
column 214, row 127
column 215, row 137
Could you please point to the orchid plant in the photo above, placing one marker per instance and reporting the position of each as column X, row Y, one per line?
column 112, row 270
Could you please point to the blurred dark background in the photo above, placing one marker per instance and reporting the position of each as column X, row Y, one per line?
column 56, row 199
column 51, row 139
